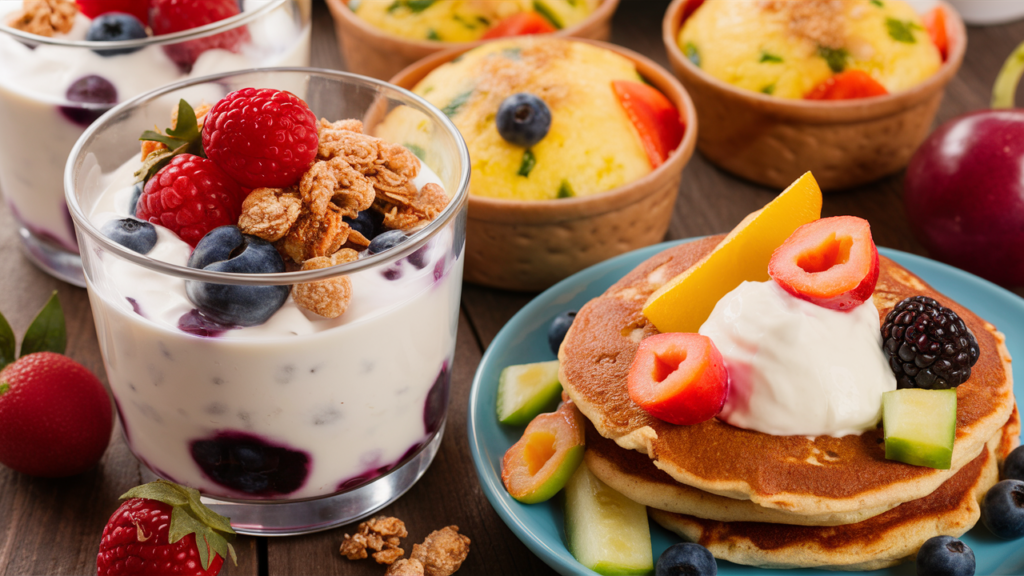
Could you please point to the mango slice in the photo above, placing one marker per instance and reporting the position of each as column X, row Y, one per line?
column 686, row 301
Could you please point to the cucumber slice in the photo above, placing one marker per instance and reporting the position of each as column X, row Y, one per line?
column 526, row 390
column 607, row 532
column 920, row 426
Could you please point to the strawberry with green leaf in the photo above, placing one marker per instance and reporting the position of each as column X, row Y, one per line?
column 184, row 138
column 163, row 529
column 55, row 415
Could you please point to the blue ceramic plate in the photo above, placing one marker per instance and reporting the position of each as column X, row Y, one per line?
column 524, row 339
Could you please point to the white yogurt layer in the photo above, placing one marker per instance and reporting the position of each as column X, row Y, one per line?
column 796, row 368
column 355, row 394
column 33, row 82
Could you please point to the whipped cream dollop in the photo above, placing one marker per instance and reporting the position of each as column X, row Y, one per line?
column 796, row 368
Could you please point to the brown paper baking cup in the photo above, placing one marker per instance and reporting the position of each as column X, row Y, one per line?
column 373, row 52
column 772, row 141
column 528, row 246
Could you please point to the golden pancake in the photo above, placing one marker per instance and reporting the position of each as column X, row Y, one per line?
column 881, row 541
column 800, row 475
column 633, row 474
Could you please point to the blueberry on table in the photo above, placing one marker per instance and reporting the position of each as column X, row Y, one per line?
column 686, row 558
column 558, row 329
column 387, row 241
column 1013, row 468
column 114, row 27
column 945, row 556
column 131, row 233
column 1002, row 510
column 523, row 119
column 226, row 249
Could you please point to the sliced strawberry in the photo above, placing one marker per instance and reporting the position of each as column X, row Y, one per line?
column 656, row 119
column 847, row 86
column 679, row 378
column 832, row 262
column 935, row 24
column 520, row 25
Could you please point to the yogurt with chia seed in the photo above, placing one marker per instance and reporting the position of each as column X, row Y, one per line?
column 42, row 124
column 301, row 406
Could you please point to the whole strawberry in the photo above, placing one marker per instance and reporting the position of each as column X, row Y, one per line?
column 55, row 415
column 190, row 196
column 261, row 137
column 155, row 531
column 94, row 8
column 169, row 16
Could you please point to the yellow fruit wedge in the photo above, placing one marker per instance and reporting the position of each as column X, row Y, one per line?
column 687, row 300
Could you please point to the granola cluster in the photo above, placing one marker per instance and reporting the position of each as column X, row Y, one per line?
column 441, row 554
column 353, row 172
column 45, row 17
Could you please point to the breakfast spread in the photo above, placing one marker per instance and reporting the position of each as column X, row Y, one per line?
column 829, row 50
column 547, row 118
column 212, row 195
column 51, row 90
column 469, row 20
column 862, row 412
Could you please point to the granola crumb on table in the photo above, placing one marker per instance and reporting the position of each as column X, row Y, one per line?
column 443, row 552
column 406, row 567
column 382, row 535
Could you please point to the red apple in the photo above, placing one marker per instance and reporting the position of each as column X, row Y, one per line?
column 679, row 378
column 964, row 188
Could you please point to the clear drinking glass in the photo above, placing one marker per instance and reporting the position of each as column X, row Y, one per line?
column 296, row 425
column 43, row 80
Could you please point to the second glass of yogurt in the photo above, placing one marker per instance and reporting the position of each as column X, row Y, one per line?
column 52, row 88
column 303, row 422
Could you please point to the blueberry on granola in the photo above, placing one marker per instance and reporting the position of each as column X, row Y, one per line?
column 226, row 249
column 387, row 241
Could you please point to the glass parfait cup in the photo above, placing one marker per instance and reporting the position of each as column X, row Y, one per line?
column 43, row 81
column 302, row 423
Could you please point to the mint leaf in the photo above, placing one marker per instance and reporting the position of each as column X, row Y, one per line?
column 769, row 57
column 901, row 31
column 7, row 343
column 565, row 190
column 529, row 161
column 543, row 9
column 692, row 53
column 47, row 333
column 769, row 89
column 433, row 35
column 152, row 136
column 877, row 3
column 458, row 102
column 835, row 57
column 419, row 5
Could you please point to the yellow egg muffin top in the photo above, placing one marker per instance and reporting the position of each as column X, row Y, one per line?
column 462, row 20
column 787, row 47
column 591, row 146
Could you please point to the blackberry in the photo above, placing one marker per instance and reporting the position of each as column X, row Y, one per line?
column 928, row 345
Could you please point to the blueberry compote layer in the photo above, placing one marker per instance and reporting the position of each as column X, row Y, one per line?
column 355, row 396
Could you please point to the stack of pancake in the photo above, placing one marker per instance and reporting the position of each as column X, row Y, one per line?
column 782, row 501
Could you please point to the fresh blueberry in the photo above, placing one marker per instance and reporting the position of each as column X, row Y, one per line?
column 523, row 119
column 558, row 328
column 226, row 249
column 193, row 322
column 249, row 464
column 387, row 241
column 419, row 257
column 1013, row 468
column 436, row 406
column 945, row 556
column 136, row 194
column 88, row 90
column 131, row 233
column 113, row 27
column 368, row 223
column 687, row 559
column 1002, row 510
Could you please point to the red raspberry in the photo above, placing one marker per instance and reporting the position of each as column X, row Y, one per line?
column 94, row 8
column 261, row 138
column 168, row 16
column 55, row 416
column 135, row 542
column 190, row 196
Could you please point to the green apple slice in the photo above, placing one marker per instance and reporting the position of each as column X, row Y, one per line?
column 920, row 426
column 607, row 532
column 526, row 390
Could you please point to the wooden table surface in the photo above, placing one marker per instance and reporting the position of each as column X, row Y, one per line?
column 54, row 526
